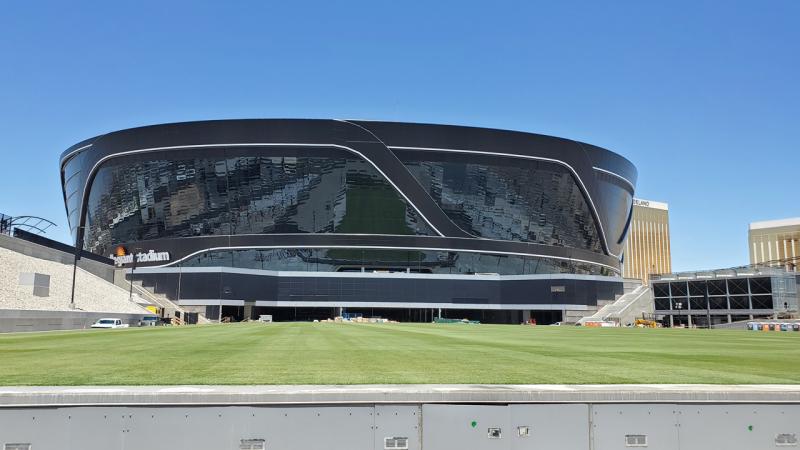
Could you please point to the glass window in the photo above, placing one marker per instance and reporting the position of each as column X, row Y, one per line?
column 737, row 286
column 718, row 302
column 619, row 201
column 662, row 304
column 762, row 302
column 761, row 285
column 678, row 288
column 73, row 189
column 697, row 303
column 740, row 302
column 661, row 289
column 697, row 288
column 375, row 260
column 716, row 287
column 136, row 199
column 507, row 198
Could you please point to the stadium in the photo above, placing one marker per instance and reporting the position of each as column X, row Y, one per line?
column 307, row 219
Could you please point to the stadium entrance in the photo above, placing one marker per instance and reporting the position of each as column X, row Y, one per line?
column 299, row 314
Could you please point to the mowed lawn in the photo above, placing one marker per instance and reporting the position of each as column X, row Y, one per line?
column 345, row 353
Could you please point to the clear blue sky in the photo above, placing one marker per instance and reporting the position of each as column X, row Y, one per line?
column 704, row 97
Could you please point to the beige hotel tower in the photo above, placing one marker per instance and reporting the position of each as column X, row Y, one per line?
column 775, row 243
column 647, row 247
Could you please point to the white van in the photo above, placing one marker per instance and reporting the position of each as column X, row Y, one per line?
column 109, row 323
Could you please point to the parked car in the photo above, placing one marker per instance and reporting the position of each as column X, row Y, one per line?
column 109, row 323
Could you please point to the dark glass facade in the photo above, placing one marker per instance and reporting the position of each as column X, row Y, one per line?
column 384, row 260
column 341, row 198
column 289, row 191
column 618, row 195
column 505, row 198
column 73, row 174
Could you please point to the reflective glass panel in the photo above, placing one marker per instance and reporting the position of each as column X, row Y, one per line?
column 507, row 198
column 618, row 201
column 73, row 189
column 215, row 193
column 379, row 260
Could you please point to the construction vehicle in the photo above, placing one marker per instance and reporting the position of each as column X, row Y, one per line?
column 646, row 323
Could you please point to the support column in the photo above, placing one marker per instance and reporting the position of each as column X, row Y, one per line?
column 785, row 253
column 75, row 257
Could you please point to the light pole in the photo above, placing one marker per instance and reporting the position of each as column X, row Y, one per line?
column 77, row 256
column 679, row 306
column 133, row 267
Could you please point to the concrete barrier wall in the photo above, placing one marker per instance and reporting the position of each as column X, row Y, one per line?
column 401, row 417
column 405, row 427
column 15, row 320
column 34, row 250
column 36, row 290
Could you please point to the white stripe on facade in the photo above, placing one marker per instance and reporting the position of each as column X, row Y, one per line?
column 383, row 247
column 69, row 155
column 333, row 304
column 600, row 169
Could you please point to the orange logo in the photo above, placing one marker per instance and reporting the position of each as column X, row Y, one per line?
column 120, row 251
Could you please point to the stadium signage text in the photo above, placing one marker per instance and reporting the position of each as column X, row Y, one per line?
column 151, row 256
column 650, row 204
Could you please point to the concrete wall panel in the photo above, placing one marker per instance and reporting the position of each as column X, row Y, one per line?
column 736, row 426
column 612, row 423
column 466, row 427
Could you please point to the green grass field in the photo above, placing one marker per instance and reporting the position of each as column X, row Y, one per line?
column 336, row 353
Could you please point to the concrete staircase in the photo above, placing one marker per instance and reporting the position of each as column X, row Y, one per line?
column 572, row 316
column 626, row 308
column 578, row 316
column 149, row 295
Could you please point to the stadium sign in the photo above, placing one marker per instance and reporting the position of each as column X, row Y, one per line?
column 122, row 257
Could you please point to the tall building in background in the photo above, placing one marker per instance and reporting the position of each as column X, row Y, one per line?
column 647, row 247
column 775, row 243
